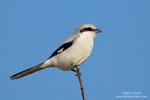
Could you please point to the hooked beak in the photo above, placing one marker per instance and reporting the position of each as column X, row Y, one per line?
column 97, row 30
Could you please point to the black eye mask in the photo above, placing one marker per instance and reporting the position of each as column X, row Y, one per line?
column 86, row 29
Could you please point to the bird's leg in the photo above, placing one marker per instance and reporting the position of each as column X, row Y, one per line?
column 78, row 72
column 74, row 70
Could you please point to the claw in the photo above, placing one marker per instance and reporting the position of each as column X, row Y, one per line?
column 78, row 74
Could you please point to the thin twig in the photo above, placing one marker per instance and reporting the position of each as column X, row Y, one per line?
column 80, row 80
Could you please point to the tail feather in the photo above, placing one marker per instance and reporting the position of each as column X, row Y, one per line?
column 27, row 72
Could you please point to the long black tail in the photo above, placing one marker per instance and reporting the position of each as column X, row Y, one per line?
column 27, row 72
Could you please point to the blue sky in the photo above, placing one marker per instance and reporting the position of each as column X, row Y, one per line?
column 30, row 30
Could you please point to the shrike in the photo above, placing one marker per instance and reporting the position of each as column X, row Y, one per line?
column 73, row 52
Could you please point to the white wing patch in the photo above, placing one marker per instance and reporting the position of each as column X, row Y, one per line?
column 60, row 50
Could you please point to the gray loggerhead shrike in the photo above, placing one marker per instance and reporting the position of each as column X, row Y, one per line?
column 73, row 52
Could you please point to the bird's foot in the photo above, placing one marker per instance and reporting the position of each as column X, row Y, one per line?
column 78, row 74
column 77, row 70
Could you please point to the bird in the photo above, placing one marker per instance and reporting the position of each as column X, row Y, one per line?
column 73, row 51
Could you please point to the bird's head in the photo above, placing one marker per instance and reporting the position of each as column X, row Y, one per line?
column 90, row 28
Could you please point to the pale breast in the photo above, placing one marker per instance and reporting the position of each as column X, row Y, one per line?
column 77, row 54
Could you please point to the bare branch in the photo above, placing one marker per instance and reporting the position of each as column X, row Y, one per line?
column 80, row 80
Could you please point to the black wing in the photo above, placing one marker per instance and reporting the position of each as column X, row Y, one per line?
column 62, row 48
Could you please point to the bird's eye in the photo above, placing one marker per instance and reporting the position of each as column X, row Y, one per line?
column 86, row 29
